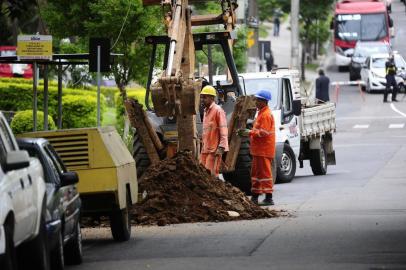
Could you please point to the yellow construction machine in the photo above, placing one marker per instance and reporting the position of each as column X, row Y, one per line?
column 173, row 123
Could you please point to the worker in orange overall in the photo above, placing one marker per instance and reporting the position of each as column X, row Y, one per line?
column 262, row 139
column 215, row 132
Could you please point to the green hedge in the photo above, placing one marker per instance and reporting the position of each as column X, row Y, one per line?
column 26, row 81
column 80, row 111
column 109, row 93
column 22, row 122
column 18, row 97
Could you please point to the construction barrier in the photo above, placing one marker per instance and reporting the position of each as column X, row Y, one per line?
column 347, row 83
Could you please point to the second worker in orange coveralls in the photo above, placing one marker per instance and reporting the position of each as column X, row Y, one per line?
column 215, row 132
column 262, row 139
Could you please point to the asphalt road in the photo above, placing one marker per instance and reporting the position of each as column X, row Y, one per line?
column 352, row 218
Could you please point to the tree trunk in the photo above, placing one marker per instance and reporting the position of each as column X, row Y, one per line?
column 302, row 62
column 15, row 30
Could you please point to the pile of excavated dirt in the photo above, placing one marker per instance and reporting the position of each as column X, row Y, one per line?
column 180, row 190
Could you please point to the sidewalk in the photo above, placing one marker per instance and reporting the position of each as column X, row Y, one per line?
column 281, row 47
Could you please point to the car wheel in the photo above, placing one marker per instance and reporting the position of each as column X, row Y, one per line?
column 120, row 222
column 368, row 87
column 8, row 261
column 402, row 88
column 73, row 249
column 353, row 76
column 287, row 168
column 57, row 256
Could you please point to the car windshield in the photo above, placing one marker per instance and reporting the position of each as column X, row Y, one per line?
column 400, row 61
column 366, row 50
column 379, row 62
column 361, row 26
column 252, row 86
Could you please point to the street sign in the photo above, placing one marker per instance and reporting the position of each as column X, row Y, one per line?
column 250, row 39
column 34, row 47
column 104, row 48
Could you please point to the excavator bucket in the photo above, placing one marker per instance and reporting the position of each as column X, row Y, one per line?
column 180, row 100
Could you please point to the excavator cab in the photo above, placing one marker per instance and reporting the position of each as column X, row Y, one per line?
column 230, row 88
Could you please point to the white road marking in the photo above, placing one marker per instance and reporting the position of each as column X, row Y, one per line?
column 361, row 126
column 393, row 107
column 396, row 125
column 368, row 118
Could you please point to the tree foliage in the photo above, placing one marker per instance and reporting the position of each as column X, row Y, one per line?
column 125, row 22
column 18, row 16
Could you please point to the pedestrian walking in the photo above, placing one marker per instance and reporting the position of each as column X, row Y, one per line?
column 215, row 132
column 262, row 139
column 322, row 87
column 276, row 26
column 390, row 69
column 269, row 61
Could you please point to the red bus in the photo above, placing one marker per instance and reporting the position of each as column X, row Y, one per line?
column 14, row 70
column 354, row 20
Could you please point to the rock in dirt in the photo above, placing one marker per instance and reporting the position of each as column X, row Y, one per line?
column 180, row 190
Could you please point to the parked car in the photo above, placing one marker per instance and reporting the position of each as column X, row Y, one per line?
column 22, row 206
column 401, row 66
column 63, row 204
column 373, row 73
column 362, row 50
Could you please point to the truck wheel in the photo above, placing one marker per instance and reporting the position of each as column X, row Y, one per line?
column 318, row 161
column 140, row 155
column 57, row 256
column 287, row 168
column 120, row 223
column 402, row 88
column 73, row 249
column 241, row 177
column 36, row 252
column 8, row 261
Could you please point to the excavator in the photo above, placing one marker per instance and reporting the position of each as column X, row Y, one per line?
column 173, row 122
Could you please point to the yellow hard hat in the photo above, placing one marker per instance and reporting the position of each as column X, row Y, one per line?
column 208, row 90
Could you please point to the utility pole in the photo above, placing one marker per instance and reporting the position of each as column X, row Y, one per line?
column 294, row 21
column 253, row 35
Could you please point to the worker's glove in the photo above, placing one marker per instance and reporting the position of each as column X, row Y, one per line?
column 220, row 151
column 243, row 132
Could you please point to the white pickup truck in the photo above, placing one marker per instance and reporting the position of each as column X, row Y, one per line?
column 22, row 205
column 304, row 129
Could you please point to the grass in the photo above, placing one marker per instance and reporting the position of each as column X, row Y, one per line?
column 312, row 66
column 109, row 117
column 263, row 31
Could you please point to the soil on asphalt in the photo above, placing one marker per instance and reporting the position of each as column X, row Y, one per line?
column 180, row 190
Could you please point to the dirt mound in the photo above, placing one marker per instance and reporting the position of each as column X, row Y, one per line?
column 180, row 190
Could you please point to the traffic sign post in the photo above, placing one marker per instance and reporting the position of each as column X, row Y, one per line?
column 99, row 61
column 35, row 48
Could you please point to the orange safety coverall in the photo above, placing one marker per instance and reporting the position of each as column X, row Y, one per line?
column 215, row 134
column 262, row 138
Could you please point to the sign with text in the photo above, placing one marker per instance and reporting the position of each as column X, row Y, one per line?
column 34, row 47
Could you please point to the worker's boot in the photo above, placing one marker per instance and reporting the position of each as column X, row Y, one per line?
column 268, row 200
column 254, row 198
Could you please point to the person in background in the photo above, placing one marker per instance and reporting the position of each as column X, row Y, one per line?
column 322, row 87
column 262, row 139
column 390, row 71
column 215, row 131
column 269, row 61
column 276, row 26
